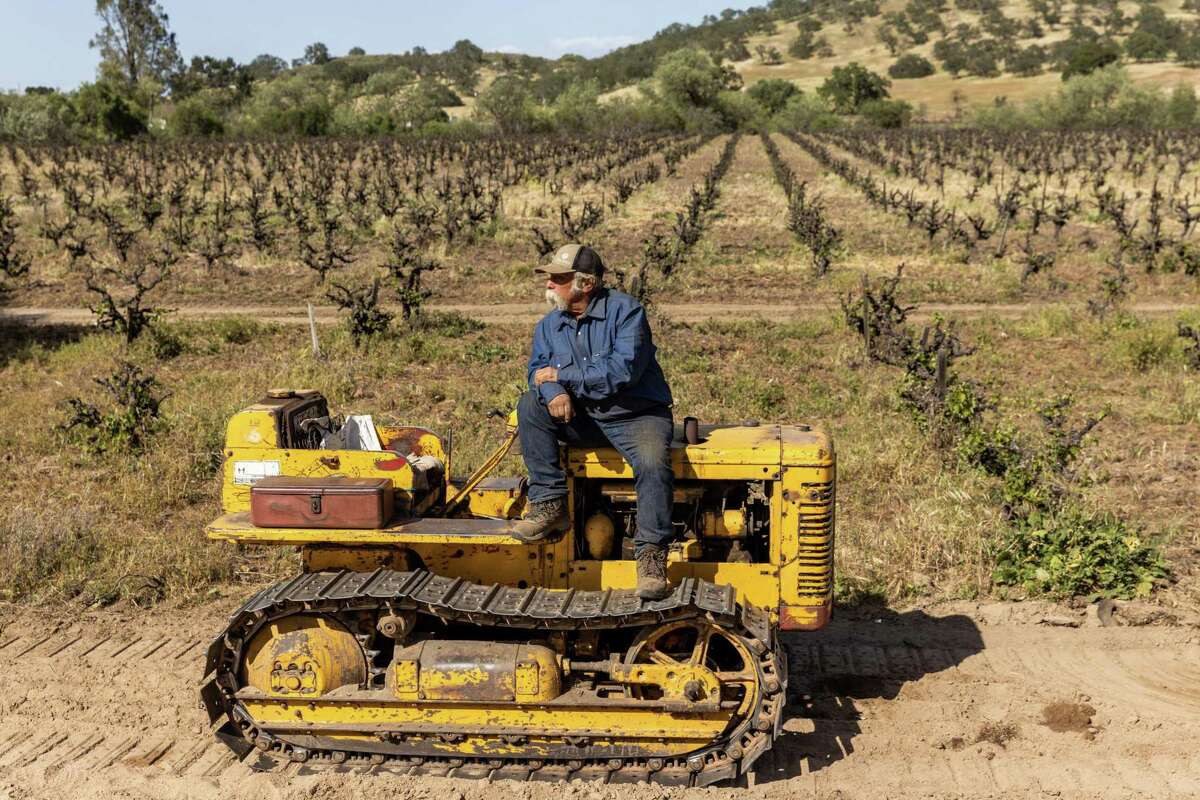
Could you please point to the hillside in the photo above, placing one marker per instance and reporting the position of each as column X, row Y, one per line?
column 957, row 53
column 869, row 32
column 862, row 42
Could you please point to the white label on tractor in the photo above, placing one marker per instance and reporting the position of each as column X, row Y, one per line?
column 250, row 472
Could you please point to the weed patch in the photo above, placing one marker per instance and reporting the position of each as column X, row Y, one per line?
column 997, row 733
column 1148, row 348
column 1072, row 552
column 1050, row 545
column 130, row 417
column 450, row 324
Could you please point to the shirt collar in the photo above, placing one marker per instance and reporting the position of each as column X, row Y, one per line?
column 597, row 308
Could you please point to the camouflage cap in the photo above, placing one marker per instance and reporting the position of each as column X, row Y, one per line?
column 573, row 258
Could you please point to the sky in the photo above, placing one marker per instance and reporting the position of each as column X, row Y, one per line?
column 45, row 42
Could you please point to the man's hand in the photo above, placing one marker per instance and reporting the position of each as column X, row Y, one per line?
column 545, row 375
column 560, row 408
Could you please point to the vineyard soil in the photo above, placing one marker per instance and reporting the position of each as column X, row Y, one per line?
column 971, row 700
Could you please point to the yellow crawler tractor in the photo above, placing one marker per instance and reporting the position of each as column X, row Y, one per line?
column 435, row 642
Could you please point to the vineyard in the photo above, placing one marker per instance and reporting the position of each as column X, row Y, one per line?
column 974, row 272
column 926, row 273
column 988, row 217
column 1001, row 331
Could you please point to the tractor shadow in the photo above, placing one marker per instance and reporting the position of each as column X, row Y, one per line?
column 861, row 655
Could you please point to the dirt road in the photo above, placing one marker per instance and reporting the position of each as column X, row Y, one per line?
column 531, row 312
column 964, row 701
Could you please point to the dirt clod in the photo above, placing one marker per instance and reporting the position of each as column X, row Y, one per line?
column 1066, row 717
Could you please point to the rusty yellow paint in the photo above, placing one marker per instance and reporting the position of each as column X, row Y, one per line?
column 496, row 503
column 303, row 656
column 674, row 679
column 512, row 563
column 475, row 671
column 757, row 584
column 238, row 528
column 350, row 714
column 797, row 461
column 727, row 523
column 427, row 444
column 802, row 543
column 253, row 428
column 317, row 558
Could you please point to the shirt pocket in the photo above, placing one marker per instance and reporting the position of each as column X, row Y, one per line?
column 559, row 359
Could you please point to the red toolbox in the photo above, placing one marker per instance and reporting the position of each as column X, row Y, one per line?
column 285, row 502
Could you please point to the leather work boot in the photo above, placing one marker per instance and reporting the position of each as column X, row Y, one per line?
column 652, row 573
column 543, row 521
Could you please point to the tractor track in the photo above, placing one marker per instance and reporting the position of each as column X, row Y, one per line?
column 105, row 705
column 493, row 606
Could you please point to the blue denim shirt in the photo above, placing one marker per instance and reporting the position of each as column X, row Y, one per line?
column 605, row 359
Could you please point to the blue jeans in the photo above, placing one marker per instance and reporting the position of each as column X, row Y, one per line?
column 643, row 439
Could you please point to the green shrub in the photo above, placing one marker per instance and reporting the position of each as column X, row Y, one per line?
column 439, row 94
column 37, row 117
column 737, row 50
column 1105, row 98
column 689, row 78
column 240, row 330
column 773, row 93
column 296, row 105
column 1145, row 46
column 166, row 345
column 388, row 81
column 449, row 324
column 508, row 105
column 737, row 110
column 848, row 87
column 806, row 112
column 1027, row 62
column 1073, row 552
column 886, row 113
column 1149, row 348
column 1087, row 57
column 107, row 114
column 1182, row 107
column 577, row 108
column 196, row 117
column 911, row 65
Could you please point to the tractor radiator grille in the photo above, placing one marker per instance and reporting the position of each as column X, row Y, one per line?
column 815, row 551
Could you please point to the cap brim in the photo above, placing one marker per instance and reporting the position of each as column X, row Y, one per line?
column 552, row 269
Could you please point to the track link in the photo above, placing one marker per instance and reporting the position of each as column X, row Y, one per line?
column 493, row 605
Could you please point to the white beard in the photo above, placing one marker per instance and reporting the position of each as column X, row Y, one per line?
column 554, row 301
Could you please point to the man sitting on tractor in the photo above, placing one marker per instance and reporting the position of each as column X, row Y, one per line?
column 594, row 381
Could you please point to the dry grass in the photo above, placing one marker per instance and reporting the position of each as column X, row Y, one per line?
column 997, row 733
column 911, row 524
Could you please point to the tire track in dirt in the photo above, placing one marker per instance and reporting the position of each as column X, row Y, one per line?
column 893, row 706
